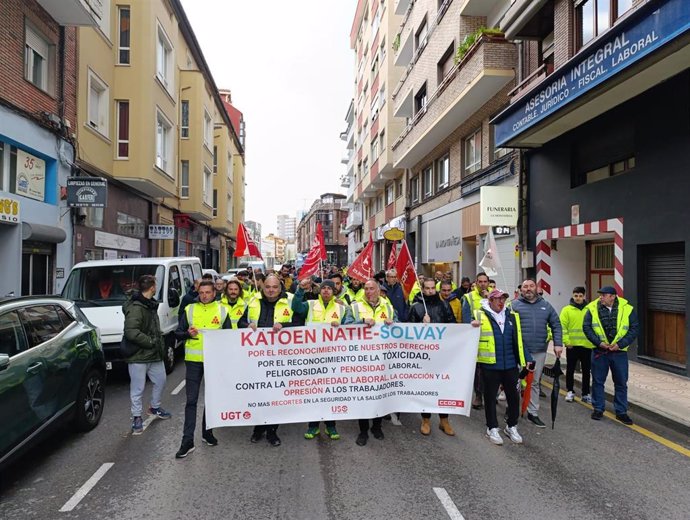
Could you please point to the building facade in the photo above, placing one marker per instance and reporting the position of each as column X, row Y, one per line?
column 601, row 110
column 331, row 211
column 287, row 227
column 38, row 96
column 254, row 230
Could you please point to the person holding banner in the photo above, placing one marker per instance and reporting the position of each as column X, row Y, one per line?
column 207, row 313
column 372, row 310
column 270, row 308
column 501, row 353
column 430, row 308
column 471, row 303
column 325, row 309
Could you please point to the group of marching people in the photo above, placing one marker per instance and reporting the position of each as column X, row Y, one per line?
column 513, row 338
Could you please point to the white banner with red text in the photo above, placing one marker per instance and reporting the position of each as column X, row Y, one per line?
column 320, row 372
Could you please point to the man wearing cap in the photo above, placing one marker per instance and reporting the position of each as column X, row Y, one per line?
column 324, row 309
column 537, row 317
column 501, row 353
column 432, row 310
column 611, row 324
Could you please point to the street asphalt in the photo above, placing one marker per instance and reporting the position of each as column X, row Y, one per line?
column 582, row 469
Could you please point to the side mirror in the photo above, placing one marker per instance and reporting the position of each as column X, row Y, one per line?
column 173, row 298
column 4, row 361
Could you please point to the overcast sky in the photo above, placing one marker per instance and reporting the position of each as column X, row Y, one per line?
column 290, row 69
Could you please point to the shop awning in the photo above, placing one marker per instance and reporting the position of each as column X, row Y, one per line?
column 43, row 233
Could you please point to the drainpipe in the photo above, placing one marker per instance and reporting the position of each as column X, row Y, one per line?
column 524, row 207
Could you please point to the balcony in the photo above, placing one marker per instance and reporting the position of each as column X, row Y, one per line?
column 74, row 12
column 405, row 51
column 479, row 7
column 354, row 218
column 402, row 5
column 405, row 106
column 345, row 181
column 480, row 75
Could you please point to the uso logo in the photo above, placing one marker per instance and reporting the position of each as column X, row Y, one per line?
column 451, row 403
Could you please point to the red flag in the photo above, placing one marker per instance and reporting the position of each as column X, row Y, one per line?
column 407, row 275
column 320, row 242
column 393, row 256
column 362, row 269
column 311, row 264
column 245, row 245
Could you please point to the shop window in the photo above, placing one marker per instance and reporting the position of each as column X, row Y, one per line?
column 594, row 17
column 473, row 152
column 131, row 226
column 93, row 254
column 93, row 217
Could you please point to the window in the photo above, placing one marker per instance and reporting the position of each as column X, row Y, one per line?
column 414, row 190
column 390, row 194
column 382, row 51
column 130, row 226
column 98, row 104
column 164, row 145
column 230, row 167
column 65, row 318
column 102, row 10
column 184, row 180
column 420, row 37
column 124, row 34
column 473, row 152
column 94, row 217
column 208, row 129
column 175, row 281
column 610, row 170
column 228, row 209
column 208, row 186
column 42, row 323
column 596, row 16
column 215, row 159
column 379, row 203
column 374, row 150
column 122, row 129
column 382, row 140
column 215, row 203
column 398, row 188
column 12, row 338
column 375, row 108
column 446, row 63
column 420, row 100
column 164, row 60
column 443, row 172
column 428, row 181
column 38, row 60
column 184, row 119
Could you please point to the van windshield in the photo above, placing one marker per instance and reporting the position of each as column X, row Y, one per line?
column 106, row 286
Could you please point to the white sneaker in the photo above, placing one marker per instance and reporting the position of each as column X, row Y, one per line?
column 511, row 431
column 587, row 399
column 494, row 436
column 394, row 420
column 569, row 397
column 501, row 396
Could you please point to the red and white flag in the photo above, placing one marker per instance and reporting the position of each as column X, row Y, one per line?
column 392, row 257
column 317, row 253
column 245, row 245
column 362, row 268
column 407, row 275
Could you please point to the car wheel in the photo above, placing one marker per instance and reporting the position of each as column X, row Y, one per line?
column 169, row 358
column 90, row 401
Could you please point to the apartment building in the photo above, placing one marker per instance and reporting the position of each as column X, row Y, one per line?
column 601, row 110
column 456, row 77
column 331, row 211
column 287, row 227
column 38, row 41
column 378, row 188
column 151, row 120
column 347, row 181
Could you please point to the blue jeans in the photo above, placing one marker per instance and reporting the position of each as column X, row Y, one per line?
column 137, row 376
column 193, row 377
column 618, row 363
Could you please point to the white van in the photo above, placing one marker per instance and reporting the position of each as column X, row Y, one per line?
column 100, row 287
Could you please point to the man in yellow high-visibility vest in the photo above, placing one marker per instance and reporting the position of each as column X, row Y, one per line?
column 207, row 313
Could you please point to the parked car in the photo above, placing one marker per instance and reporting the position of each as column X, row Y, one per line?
column 212, row 272
column 100, row 287
column 52, row 369
column 232, row 273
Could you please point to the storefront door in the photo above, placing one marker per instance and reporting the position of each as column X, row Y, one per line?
column 37, row 268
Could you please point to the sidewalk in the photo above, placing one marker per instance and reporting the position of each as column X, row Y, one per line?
column 662, row 393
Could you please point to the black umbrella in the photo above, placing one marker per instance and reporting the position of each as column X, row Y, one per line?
column 556, row 373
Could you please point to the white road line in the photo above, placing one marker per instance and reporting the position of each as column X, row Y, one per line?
column 448, row 504
column 179, row 387
column 148, row 421
column 88, row 486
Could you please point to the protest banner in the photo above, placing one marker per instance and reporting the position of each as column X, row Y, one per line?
column 319, row 372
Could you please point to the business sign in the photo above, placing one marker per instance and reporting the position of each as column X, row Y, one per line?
column 87, row 192
column 498, row 206
column 31, row 176
column 626, row 43
column 10, row 210
column 442, row 238
column 501, row 231
column 319, row 372
column 112, row 241
column 161, row 232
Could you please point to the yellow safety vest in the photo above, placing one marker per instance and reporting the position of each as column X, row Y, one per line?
column 235, row 311
column 202, row 316
column 363, row 311
column 474, row 299
column 453, row 286
column 318, row 313
column 282, row 313
column 572, row 319
column 487, row 341
column 622, row 321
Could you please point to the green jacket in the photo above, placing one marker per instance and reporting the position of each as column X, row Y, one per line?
column 143, row 328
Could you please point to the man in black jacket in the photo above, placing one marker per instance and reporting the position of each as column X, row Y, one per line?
column 432, row 309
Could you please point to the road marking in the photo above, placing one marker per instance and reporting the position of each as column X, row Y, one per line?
column 448, row 504
column 88, row 486
column 179, row 387
column 639, row 429
column 148, row 421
